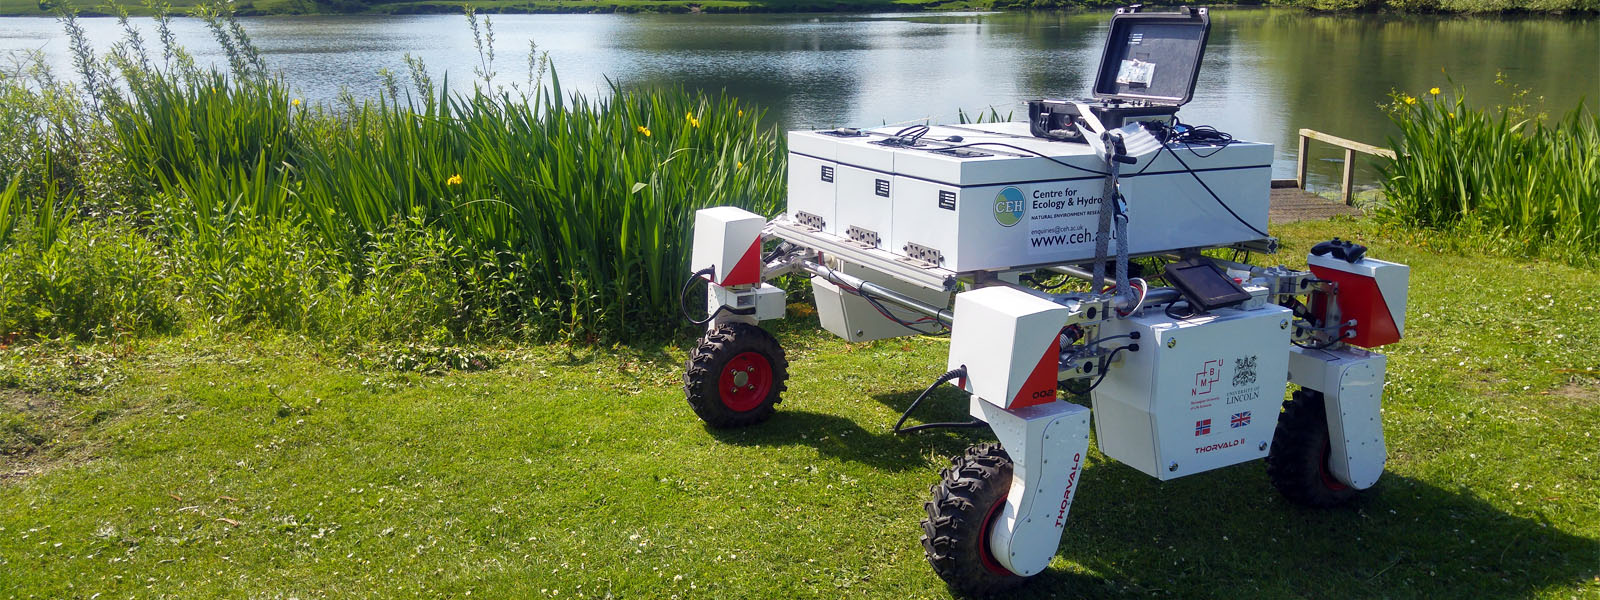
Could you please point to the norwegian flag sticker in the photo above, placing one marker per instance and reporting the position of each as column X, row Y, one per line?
column 1239, row 420
column 1202, row 427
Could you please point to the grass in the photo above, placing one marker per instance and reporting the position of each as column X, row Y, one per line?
column 258, row 464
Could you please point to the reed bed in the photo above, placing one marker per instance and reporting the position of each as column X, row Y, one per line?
column 526, row 210
column 1506, row 173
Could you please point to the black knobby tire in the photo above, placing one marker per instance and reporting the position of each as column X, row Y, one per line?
column 735, row 376
column 970, row 494
column 1298, row 461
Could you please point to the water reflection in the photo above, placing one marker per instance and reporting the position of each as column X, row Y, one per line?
column 1267, row 73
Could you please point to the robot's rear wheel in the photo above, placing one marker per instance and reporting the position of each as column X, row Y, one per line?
column 735, row 376
column 970, row 495
column 1297, row 464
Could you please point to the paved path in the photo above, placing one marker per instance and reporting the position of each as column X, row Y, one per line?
column 1290, row 204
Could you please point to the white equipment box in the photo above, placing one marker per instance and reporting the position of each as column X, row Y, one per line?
column 851, row 317
column 985, row 197
column 1202, row 393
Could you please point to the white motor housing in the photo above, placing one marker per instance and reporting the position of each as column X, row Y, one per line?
column 727, row 240
column 1351, row 382
column 1048, row 445
column 1009, row 342
column 1201, row 393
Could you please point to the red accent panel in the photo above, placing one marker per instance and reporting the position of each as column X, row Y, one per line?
column 1040, row 388
column 748, row 269
column 1360, row 299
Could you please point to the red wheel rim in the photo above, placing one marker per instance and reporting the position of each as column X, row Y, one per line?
column 745, row 381
column 1328, row 481
column 985, row 556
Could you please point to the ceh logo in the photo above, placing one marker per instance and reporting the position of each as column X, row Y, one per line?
column 1009, row 207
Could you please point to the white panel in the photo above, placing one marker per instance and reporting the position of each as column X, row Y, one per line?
column 865, row 199
column 999, row 335
column 929, row 214
column 722, row 236
column 1351, row 382
column 1047, row 445
column 811, row 189
column 816, row 144
column 1205, row 390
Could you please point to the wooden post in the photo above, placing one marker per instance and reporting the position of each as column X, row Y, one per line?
column 1347, row 185
column 1300, row 161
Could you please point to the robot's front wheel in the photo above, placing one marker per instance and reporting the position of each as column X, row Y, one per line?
column 735, row 376
column 970, row 495
column 1298, row 461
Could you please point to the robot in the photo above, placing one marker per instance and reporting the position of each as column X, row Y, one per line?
column 956, row 228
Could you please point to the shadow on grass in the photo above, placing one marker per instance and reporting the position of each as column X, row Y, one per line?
column 1228, row 533
column 843, row 439
column 1404, row 538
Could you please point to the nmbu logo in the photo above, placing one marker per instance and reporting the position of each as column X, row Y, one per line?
column 1209, row 374
column 1009, row 207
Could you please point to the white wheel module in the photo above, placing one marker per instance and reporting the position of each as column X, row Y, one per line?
column 934, row 229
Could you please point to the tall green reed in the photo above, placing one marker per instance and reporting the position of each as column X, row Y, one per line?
column 548, row 212
column 1504, row 172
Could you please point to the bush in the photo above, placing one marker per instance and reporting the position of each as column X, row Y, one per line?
column 1503, row 172
column 272, row 273
column 93, row 280
column 408, row 290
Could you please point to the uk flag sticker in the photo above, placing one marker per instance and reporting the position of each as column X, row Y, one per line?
column 1202, row 427
column 1239, row 420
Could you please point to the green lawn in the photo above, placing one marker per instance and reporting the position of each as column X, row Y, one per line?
column 238, row 466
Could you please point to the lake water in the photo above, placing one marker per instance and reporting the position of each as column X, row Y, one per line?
column 1267, row 73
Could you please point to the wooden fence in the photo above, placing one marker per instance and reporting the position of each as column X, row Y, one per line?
column 1351, row 147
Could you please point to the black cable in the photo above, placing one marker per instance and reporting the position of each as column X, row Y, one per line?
column 1186, row 316
column 1104, row 363
column 1200, row 134
column 943, row 379
column 777, row 251
column 903, row 323
column 1045, row 286
column 1097, row 341
column 1214, row 195
column 1025, row 150
column 683, row 299
column 1195, row 134
column 1329, row 344
column 876, row 305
